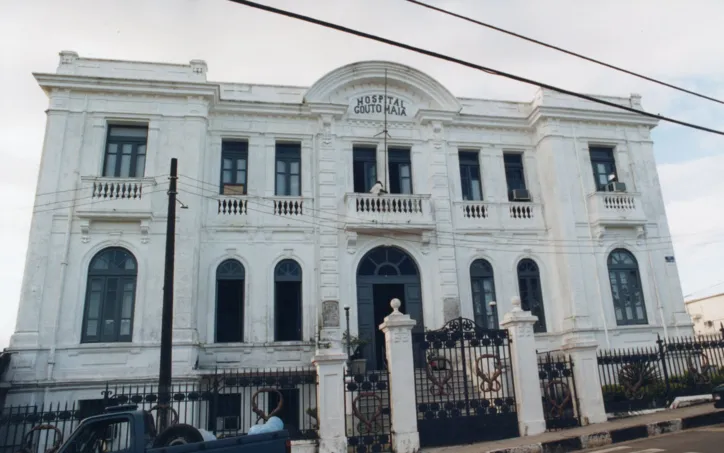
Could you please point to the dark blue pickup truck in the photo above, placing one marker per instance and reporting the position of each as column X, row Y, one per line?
column 128, row 430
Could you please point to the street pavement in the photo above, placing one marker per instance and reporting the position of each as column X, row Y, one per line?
column 702, row 440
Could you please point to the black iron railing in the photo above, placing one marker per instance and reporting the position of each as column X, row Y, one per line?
column 648, row 378
column 558, row 391
column 226, row 403
column 464, row 381
column 367, row 403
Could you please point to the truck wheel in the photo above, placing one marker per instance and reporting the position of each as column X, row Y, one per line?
column 178, row 435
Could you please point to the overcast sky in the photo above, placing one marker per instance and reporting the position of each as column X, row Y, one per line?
column 673, row 40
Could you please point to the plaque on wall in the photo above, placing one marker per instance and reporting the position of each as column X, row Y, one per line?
column 330, row 313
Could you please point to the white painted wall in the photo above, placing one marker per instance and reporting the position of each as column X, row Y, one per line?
column 707, row 313
column 569, row 235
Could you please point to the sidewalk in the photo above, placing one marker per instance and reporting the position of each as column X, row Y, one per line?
column 600, row 434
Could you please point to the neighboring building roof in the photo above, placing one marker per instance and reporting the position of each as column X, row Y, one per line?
column 711, row 296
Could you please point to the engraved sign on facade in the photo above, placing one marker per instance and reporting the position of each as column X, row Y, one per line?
column 330, row 313
column 379, row 103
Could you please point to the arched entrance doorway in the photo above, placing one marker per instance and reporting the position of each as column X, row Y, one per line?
column 383, row 274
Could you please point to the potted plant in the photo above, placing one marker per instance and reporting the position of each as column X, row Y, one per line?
column 356, row 346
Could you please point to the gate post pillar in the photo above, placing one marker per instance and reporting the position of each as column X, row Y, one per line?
column 585, row 372
column 330, row 400
column 519, row 323
column 398, row 341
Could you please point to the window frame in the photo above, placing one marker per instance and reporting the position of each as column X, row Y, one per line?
column 367, row 156
column 288, row 153
column 599, row 159
column 512, row 168
column 635, row 277
column 240, row 277
column 241, row 152
column 470, row 160
column 399, row 156
column 289, row 278
column 533, row 284
column 122, row 278
column 483, row 272
column 119, row 141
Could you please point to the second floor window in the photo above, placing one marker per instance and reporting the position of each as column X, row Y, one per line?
column 604, row 166
column 470, row 176
column 400, row 171
column 125, row 151
column 288, row 169
column 364, row 168
column 514, row 175
column 234, row 158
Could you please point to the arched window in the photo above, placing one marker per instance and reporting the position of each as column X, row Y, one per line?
column 531, row 297
column 628, row 297
column 110, row 297
column 483, row 286
column 230, row 302
column 387, row 261
column 288, row 301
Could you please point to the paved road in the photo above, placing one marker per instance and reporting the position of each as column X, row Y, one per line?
column 703, row 440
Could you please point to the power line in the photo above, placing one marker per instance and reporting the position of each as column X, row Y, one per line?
column 94, row 202
column 705, row 289
column 470, row 65
column 141, row 185
column 522, row 241
column 559, row 49
column 439, row 233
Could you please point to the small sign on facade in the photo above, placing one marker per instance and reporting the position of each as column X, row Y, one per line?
column 378, row 104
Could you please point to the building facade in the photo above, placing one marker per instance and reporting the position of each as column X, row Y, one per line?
column 556, row 200
column 707, row 313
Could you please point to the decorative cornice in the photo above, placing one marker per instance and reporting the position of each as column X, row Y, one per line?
column 581, row 115
column 113, row 85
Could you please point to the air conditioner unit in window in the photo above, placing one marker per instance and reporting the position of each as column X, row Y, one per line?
column 521, row 195
column 616, row 187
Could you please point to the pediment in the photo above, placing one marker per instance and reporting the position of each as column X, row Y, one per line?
column 369, row 89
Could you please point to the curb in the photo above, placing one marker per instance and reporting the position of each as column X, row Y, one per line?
column 603, row 438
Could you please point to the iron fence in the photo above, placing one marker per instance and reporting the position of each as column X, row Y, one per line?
column 367, row 411
column 464, row 385
column 558, row 391
column 226, row 403
column 652, row 377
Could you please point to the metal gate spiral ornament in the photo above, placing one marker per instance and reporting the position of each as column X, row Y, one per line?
column 370, row 424
column 260, row 413
column 489, row 384
column 557, row 409
column 166, row 407
column 440, row 386
column 28, row 446
column 632, row 380
column 699, row 378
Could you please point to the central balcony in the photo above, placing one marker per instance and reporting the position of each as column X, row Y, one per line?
column 616, row 209
column 372, row 212
column 510, row 216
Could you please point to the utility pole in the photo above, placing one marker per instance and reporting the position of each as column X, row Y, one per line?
column 164, row 375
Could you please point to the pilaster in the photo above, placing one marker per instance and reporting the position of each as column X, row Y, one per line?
column 519, row 323
column 398, row 341
column 330, row 400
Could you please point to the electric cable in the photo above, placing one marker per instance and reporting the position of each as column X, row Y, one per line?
column 470, row 65
column 559, row 49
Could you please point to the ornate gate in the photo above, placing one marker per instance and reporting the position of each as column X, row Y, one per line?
column 464, row 385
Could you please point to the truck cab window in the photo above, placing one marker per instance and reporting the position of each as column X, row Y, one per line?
column 103, row 436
